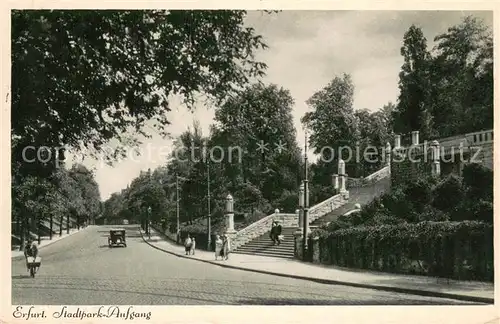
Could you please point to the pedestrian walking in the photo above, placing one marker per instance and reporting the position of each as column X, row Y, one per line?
column 272, row 235
column 226, row 247
column 193, row 246
column 277, row 233
column 187, row 244
column 218, row 247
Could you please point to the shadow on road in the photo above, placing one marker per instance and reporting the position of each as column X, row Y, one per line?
column 303, row 301
column 21, row 277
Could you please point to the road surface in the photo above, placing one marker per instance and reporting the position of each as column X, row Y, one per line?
column 82, row 270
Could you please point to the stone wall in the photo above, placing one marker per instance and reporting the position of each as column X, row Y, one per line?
column 454, row 153
column 410, row 164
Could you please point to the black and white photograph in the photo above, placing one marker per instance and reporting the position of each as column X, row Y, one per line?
column 166, row 157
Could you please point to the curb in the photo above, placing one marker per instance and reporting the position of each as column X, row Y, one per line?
column 51, row 242
column 425, row 293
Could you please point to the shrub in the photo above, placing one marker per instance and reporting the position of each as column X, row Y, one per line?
column 434, row 215
column 474, row 210
column 396, row 203
column 448, row 194
column 479, row 181
column 442, row 246
column 287, row 202
column 419, row 193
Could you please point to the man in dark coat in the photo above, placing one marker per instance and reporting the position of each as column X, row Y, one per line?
column 277, row 231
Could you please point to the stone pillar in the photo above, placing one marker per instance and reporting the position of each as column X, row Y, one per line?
column 414, row 138
column 397, row 141
column 388, row 153
column 230, row 215
column 335, row 182
column 342, row 176
column 436, row 158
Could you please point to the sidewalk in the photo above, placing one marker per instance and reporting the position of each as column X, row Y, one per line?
column 481, row 292
column 45, row 241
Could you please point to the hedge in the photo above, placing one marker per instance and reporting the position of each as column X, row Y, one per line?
column 458, row 250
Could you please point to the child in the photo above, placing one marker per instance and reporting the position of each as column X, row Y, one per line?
column 187, row 244
column 193, row 246
column 218, row 247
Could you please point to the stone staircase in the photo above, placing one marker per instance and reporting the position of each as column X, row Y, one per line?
column 360, row 195
column 263, row 245
column 255, row 238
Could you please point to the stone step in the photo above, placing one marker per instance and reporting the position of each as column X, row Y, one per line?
column 268, row 254
column 269, row 242
column 269, row 245
column 266, row 248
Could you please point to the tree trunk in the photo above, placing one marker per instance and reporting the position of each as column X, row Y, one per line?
column 61, row 220
column 67, row 223
column 51, row 225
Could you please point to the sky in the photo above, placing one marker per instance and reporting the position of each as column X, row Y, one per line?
column 307, row 49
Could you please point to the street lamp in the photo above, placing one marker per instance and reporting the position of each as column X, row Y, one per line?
column 209, row 225
column 306, row 199
column 147, row 222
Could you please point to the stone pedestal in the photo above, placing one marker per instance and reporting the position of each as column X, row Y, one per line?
column 436, row 168
column 342, row 177
column 388, row 152
column 335, row 182
column 230, row 223
column 415, row 138
column 397, row 141
column 436, row 158
column 300, row 221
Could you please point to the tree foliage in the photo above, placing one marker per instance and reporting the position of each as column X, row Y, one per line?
column 448, row 90
column 85, row 77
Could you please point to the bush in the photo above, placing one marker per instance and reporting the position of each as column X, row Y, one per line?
column 479, row 182
column 419, row 194
column 396, row 203
column 474, row 210
column 443, row 247
column 448, row 194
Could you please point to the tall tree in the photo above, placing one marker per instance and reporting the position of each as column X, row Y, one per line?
column 463, row 79
column 413, row 109
column 260, row 123
column 332, row 122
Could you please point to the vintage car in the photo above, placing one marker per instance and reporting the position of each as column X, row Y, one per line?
column 117, row 238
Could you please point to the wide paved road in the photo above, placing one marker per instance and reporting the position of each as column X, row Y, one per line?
column 82, row 270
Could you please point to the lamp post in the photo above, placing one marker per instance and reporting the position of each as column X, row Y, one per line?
column 209, row 225
column 147, row 222
column 306, row 200
column 177, row 207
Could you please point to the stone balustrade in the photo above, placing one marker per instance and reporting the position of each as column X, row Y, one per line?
column 327, row 206
column 377, row 176
column 369, row 180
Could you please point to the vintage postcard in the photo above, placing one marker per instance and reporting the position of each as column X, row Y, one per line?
column 252, row 154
